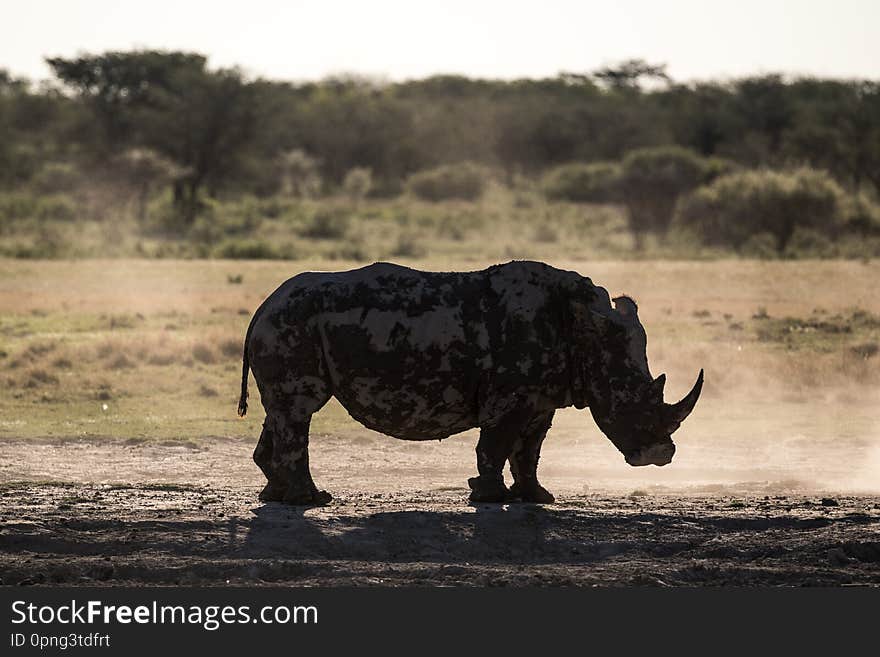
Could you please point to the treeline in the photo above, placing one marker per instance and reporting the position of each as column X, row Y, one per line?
column 133, row 124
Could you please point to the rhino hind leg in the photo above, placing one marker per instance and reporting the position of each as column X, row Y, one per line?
column 275, row 485
column 283, row 451
column 524, row 461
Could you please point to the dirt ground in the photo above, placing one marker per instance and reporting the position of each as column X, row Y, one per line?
column 95, row 512
column 122, row 459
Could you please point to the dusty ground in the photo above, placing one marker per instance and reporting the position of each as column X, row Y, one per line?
column 121, row 459
column 400, row 517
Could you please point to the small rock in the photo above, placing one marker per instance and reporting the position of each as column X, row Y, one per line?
column 829, row 501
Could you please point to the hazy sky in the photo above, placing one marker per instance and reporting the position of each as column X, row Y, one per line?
column 493, row 38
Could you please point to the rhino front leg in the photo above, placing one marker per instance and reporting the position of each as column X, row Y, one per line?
column 524, row 461
column 288, row 466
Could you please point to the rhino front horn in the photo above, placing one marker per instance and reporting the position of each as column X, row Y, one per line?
column 676, row 413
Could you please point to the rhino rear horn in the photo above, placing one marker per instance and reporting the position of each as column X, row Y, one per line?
column 658, row 384
column 678, row 412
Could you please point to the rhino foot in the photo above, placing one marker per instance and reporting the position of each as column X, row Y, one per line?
column 307, row 497
column 531, row 492
column 272, row 492
column 487, row 490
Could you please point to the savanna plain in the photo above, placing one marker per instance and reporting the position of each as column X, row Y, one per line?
column 122, row 460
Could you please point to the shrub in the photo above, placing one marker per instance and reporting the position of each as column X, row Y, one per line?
column 810, row 243
column 218, row 220
column 253, row 249
column 715, row 167
column 465, row 181
column 230, row 348
column 18, row 163
column 298, row 173
column 15, row 206
column 19, row 206
column 204, row 354
column 358, row 183
column 596, row 182
column 55, row 177
column 734, row 208
column 651, row 181
column 121, row 362
column 56, row 207
column 546, row 234
column 39, row 377
column 861, row 216
column 327, row 224
column 408, row 246
column 244, row 249
column 760, row 245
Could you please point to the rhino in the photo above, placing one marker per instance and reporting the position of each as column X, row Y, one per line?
column 421, row 355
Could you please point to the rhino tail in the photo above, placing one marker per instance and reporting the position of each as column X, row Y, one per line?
column 245, row 368
column 245, row 361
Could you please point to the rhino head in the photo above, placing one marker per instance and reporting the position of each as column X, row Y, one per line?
column 625, row 400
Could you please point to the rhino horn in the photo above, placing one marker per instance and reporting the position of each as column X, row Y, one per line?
column 659, row 383
column 678, row 412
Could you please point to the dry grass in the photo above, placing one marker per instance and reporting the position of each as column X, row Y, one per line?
column 204, row 353
column 162, row 345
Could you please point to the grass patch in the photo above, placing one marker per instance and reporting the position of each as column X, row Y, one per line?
column 204, row 354
column 63, row 365
column 819, row 332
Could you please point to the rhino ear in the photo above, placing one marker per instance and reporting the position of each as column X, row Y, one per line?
column 627, row 308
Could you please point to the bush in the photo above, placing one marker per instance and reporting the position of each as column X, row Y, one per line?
column 465, row 181
column 18, row 163
column 298, row 172
column 253, row 249
column 408, row 246
column 204, row 354
column 358, row 183
column 56, row 207
column 327, row 224
column 861, row 216
column 56, row 177
column 17, row 206
column 734, row 208
column 651, row 181
column 596, row 182
column 809, row 243
column 715, row 167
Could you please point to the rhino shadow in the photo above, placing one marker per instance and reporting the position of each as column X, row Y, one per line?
column 487, row 534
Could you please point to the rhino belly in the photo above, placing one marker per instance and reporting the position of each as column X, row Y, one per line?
column 429, row 409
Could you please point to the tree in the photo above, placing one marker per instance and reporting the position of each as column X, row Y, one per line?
column 701, row 116
column 116, row 84
column 628, row 74
column 765, row 107
column 837, row 127
column 203, row 123
column 144, row 170
column 168, row 101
